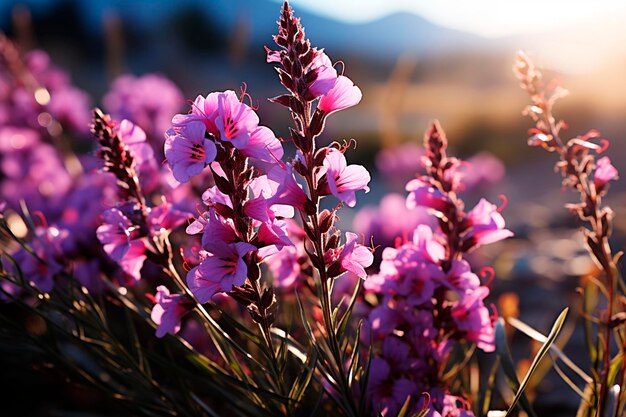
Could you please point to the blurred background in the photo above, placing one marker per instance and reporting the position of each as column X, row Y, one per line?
column 414, row 60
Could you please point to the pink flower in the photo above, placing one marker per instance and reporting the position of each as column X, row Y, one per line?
column 344, row 94
column 272, row 237
column 472, row 317
column 235, row 121
column 343, row 180
column 487, row 224
column 289, row 192
column 285, row 265
column 116, row 233
column 424, row 195
column 187, row 150
column 135, row 139
column 165, row 217
column 351, row 257
column 425, row 241
column 461, row 278
column 220, row 270
column 217, row 231
column 168, row 311
column 325, row 75
column 355, row 257
column 604, row 173
column 264, row 146
column 121, row 240
column 203, row 110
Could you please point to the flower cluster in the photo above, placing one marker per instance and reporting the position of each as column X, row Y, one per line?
column 39, row 109
column 428, row 297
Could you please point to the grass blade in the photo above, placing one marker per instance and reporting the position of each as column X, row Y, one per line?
column 537, row 359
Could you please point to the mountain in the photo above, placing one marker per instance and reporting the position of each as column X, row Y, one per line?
column 387, row 37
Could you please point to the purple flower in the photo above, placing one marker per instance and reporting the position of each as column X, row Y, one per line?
column 272, row 237
column 220, row 270
column 424, row 195
column 165, row 218
column 122, row 241
column 483, row 169
column 325, row 75
column 263, row 146
column 461, row 278
column 150, row 101
column 343, row 180
column 472, row 317
column 388, row 391
column 235, row 120
column 217, row 231
column 487, row 224
column 203, row 109
column 145, row 164
column 187, row 150
column 344, row 94
column 168, row 311
column 116, row 233
column 289, row 192
column 355, row 257
column 604, row 173
column 285, row 265
column 390, row 220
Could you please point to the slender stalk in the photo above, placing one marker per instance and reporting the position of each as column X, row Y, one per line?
column 574, row 169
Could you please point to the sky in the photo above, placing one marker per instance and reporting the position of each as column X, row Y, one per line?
column 489, row 18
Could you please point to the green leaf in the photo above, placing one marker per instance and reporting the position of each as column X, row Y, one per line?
column 538, row 357
column 491, row 383
column 534, row 334
column 507, row 366
column 343, row 323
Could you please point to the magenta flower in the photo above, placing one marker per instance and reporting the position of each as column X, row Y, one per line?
column 388, row 391
column 203, row 110
column 145, row 162
column 121, row 240
column 168, row 311
column 165, row 218
column 284, row 267
column 325, row 75
column 472, row 317
column 135, row 139
column 487, row 224
column 343, row 181
column 220, row 271
column 187, row 150
column 235, row 121
column 272, row 237
column 461, row 278
column 424, row 195
column 217, row 231
column 425, row 241
column 116, row 233
column 263, row 146
column 344, row 94
column 149, row 101
column 604, row 173
column 289, row 192
column 355, row 257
